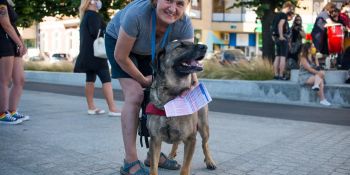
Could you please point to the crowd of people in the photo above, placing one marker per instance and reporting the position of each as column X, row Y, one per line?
column 311, row 57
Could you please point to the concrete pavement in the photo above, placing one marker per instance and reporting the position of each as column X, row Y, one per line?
column 61, row 139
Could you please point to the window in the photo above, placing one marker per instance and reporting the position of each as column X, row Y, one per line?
column 196, row 9
column 223, row 12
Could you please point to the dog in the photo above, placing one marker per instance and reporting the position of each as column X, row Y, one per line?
column 174, row 67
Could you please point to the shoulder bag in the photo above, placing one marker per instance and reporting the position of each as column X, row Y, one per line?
column 99, row 46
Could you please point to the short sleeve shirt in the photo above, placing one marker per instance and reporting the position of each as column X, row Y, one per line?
column 281, row 16
column 135, row 19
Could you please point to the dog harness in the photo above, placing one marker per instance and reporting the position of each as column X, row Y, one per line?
column 153, row 110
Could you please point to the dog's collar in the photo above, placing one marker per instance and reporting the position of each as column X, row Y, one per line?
column 153, row 110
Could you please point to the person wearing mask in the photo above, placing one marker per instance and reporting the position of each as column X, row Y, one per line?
column 12, row 49
column 90, row 26
column 297, row 35
column 281, row 40
column 129, row 50
column 310, row 73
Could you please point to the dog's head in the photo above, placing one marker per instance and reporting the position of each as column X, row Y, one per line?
column 181, row 57
column 174, row 66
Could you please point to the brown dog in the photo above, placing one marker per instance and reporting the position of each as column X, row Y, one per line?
column 175, row 66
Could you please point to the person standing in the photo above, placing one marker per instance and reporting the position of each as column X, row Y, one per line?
column 90, row 26
column 128, row 44
column 281, row 40
column 296, row 39
column 12, row 49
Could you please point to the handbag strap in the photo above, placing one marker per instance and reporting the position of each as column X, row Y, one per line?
column 98, row 34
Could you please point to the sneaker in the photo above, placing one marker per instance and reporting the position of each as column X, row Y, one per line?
column 325, row 102
column 8, row 119
column 114, row 114
column 20, row 116
column 276, row 77
column 316, row 88
column 96, row 111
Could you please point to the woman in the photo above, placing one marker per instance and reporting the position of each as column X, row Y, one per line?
column 11, row 65
column 319, row 32
column 128, row 45
column 91, row 24
column 310, row 74
column 297, row 36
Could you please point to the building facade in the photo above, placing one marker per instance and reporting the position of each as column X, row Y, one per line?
column 216, row 25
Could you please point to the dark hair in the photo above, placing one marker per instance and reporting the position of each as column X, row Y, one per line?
column 305, row 50
column 295, row 18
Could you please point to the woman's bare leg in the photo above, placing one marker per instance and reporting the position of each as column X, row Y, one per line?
column 6, row 66
column 17, row 84
column 133, row 93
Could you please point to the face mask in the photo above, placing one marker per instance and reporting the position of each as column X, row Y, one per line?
column 98, row 5
column 313, row 51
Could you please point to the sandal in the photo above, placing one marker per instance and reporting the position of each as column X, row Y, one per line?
column 124, row 170
column 167, row 164
column 96, row 111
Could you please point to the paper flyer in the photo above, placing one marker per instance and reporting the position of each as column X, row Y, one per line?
column 192, row 102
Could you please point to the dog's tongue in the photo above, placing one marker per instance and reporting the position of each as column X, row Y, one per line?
column 196, row 63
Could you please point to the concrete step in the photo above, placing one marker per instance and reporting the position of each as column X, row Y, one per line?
column 288, row 92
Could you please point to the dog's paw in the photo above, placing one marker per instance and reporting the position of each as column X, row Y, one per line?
column 210, row 164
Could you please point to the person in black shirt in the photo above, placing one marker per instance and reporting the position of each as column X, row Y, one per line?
column 11, row 65
column 90, row 25
column 297, row 35
column 281, row 40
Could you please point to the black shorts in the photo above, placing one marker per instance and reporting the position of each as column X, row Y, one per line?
column 103, row 74
column 8, row 46
column 282, row 48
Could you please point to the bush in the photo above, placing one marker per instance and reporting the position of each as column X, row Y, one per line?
column 256, row 69
column 63, row 66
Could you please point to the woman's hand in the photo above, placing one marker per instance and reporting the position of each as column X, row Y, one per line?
column 147, row 81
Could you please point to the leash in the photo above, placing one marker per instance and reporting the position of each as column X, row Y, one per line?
column 142, row 130
column 153, row 40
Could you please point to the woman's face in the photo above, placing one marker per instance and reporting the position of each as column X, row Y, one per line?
column 169, row 11
column 298, row 20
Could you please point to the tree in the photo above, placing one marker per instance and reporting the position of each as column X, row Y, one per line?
column 265, row 11
column 30, row 11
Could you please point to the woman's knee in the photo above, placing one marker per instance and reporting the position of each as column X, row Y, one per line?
column 18, row 81
column 321, row 74
column 134, row 97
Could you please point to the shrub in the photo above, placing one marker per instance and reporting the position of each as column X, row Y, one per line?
column 255, row 69
column 63, row 66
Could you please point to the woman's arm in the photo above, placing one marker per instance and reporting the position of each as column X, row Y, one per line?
column 121, row 55
column 307, row 66
column 9, row 29
column 280, row 29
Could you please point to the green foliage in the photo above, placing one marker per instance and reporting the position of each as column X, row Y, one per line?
column 35, row 10
column 256, row 69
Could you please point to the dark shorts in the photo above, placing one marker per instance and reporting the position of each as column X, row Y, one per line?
column 282, row 48
column 8, row 47
column 142, row 62
column 103, row 75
